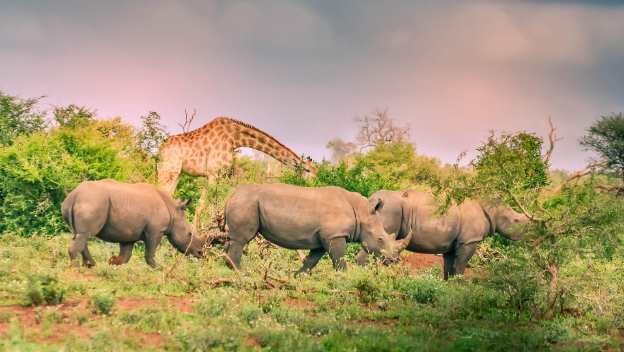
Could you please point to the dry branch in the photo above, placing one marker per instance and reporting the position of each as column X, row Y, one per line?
column 588, row 170
column 188, row 120
column 552, row 139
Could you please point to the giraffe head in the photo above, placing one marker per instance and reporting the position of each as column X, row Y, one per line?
column 308, row 167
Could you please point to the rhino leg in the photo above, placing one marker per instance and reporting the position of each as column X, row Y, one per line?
column 311, row 260
column 242, row 230
column 337, row 248
column 152, row 240
column 87, row 259
column 449, row 264
column 462, row 256
column 78, row 245
column 362, row 257
column 125, row 252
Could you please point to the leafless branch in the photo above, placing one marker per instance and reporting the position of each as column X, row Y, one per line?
column 588, row 170
column 379, row 128
column 188, row 120
column 552, row 139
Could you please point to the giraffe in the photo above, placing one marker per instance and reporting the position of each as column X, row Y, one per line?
column 210, row 148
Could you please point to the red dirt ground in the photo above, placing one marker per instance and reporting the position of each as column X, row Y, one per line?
column 30, row 318
column 419, row 262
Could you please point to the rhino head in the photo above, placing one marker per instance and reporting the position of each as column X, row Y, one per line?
column 181, row 235
column 506, row 221
column 374, row 237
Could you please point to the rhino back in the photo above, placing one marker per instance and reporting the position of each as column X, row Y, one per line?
column 130, row 208
column 433, row 233
column 474, row 223
column 291, row 216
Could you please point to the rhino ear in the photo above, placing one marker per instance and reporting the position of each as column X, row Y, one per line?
column 375, row 205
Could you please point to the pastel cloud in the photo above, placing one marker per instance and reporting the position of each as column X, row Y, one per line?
column 303, row 70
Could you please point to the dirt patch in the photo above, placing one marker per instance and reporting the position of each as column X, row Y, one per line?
column 3, row 328
column 299, row 303
column 181, row 304
column 418, row 262
column 251, row 342
column 31, row 321
column 129, row 303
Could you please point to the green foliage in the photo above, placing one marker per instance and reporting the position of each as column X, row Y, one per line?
column 356, row 178
column 43, row 289
column 510, row 166
column 103, row 303
column 606, row 137
column 19, row 117
column 37, row 171
column 374, row 308
column 73, row 116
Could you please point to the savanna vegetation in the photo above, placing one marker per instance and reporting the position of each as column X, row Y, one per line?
column 560, row 288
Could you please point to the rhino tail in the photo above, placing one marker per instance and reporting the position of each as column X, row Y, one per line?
column 67, row 209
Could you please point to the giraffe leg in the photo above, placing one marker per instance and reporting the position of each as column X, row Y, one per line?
column 201, row 206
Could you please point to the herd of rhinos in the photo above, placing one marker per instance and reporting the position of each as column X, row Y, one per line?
column 320, row 220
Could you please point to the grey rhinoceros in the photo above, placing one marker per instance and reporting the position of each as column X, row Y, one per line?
column 320, row 219
column 126, row 213
column 456, row 234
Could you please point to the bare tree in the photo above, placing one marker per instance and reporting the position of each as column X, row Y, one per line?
column 379, row 128
column 188, row 120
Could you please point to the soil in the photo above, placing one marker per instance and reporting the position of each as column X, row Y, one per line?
column 30, row 319
column 418, row 262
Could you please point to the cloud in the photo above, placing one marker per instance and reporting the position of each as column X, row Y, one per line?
column 303, row 70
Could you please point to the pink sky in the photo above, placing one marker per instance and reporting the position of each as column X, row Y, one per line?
column 302, row 71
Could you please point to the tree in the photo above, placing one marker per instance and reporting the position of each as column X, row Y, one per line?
column 606, row 137
column 340, row 149
column 19, row 117
column 73, row 116
column 152, row 134
column 379, row 128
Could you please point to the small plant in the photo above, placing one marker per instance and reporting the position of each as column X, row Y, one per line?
column 43, row 289
column 422, row 291
column 367, row 291
column 103, row 303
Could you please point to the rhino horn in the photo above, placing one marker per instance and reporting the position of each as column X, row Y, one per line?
column 403, row 243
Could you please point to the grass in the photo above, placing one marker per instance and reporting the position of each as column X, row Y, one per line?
column 203, row 305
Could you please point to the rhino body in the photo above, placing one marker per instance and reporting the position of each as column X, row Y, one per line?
column 455, row 234
column 125, row 214
column 320, row 219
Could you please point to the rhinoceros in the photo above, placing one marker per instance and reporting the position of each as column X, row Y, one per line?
column 126, row 213
column 320, row 219
column 455, row 234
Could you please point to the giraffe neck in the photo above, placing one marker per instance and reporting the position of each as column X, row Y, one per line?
column 248, row 136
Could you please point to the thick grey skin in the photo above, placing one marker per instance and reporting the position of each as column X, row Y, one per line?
column 126, row 213
column 456, row 234
column 319, row 219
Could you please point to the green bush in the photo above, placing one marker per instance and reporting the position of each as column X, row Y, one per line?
column 43, row 289
column 103, row 303
column 38, row 171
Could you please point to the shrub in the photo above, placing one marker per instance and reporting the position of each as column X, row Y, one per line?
column 37, row 172
column 43, row 289
column 103, row 303
column 424, row 291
